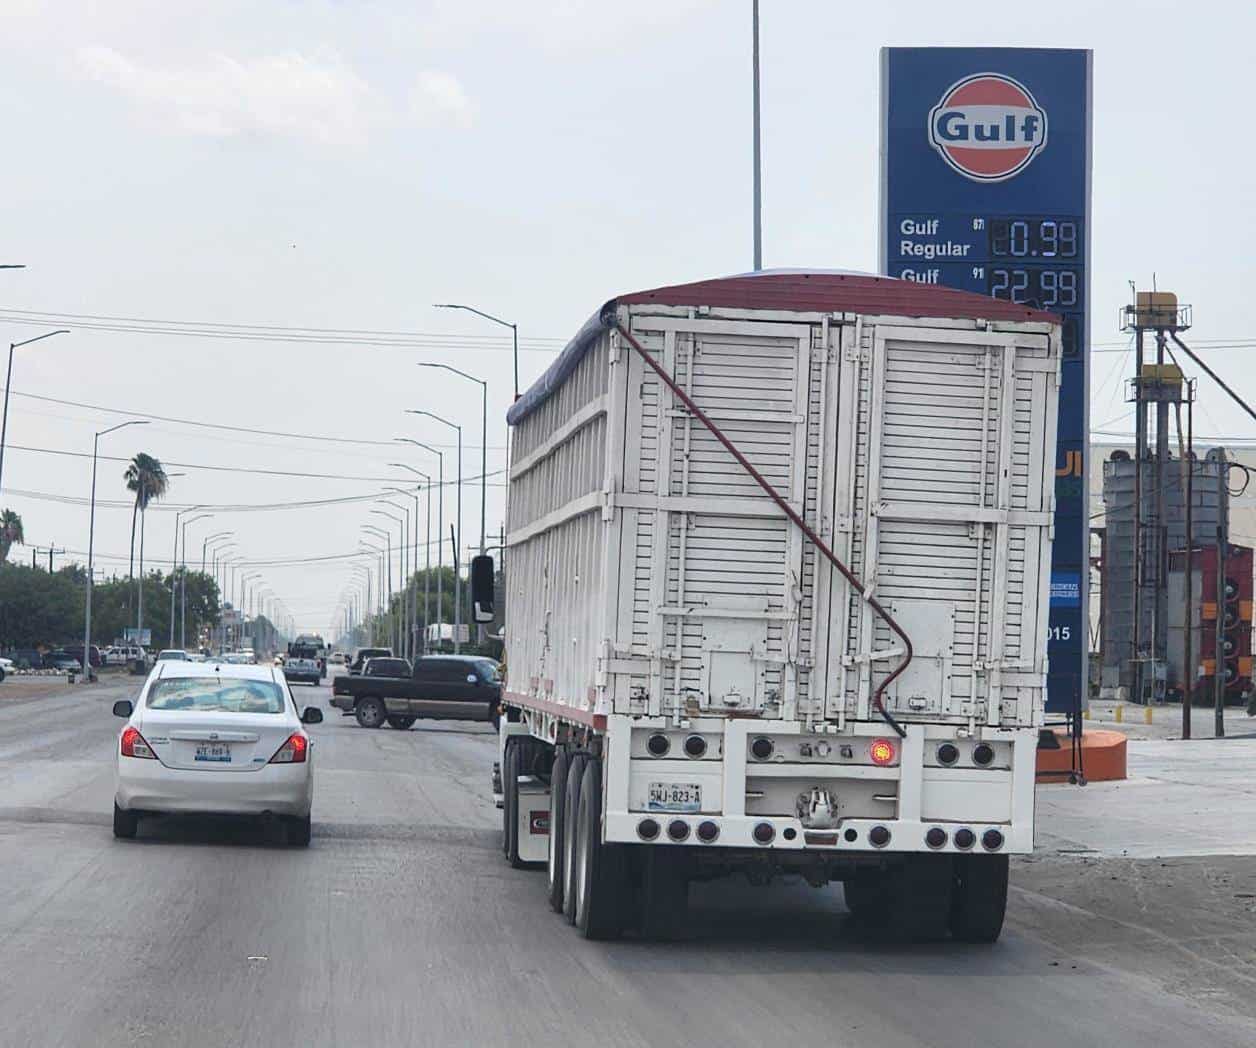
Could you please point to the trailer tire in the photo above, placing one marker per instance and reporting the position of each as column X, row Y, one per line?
column 370, row 712
column 979, row 898
column 519, row 759
column 865, row 892
column 600, row 870
column 571, row 808
column 557, row 828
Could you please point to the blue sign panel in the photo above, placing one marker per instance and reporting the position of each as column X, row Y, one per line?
column 985, row 186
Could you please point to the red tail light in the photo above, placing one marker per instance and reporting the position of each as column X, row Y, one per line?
column 293, row 751
column 134, row 745
column 882, row 752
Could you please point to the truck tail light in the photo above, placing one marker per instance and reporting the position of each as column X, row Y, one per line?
column 882, row 752
column 293, row 751
column 134, row 744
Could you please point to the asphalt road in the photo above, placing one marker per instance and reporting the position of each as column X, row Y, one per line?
column 402, row 925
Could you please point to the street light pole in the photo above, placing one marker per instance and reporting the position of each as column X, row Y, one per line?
column 427, row 570
column 8, row 381
column 407, row 569
column 440, row 527
column 183, row 580
column 458, row 536
column 174, row 558
column 483, row 443
column 496, row 320
column 382, row 533
column 91, row 537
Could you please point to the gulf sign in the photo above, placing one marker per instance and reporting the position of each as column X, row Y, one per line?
column 988, row 127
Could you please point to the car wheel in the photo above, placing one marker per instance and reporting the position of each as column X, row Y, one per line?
column 125, row 823
column 370, row 712
column 401, row 723
column 299, row 832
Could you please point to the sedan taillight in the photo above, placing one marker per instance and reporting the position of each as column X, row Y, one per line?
column 134, row 745
column 293, row 751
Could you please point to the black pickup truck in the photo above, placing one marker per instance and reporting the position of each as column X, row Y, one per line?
column 438, row 687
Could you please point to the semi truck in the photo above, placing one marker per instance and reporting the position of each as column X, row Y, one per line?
column 777, row 577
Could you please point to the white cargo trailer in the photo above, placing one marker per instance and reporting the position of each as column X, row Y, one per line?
column 777, row 574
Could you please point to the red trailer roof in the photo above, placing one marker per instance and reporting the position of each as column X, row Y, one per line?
column 792, row 290
column 830, row 292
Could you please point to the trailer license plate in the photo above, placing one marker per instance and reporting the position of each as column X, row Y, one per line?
column 213, row 751
column 675, row 796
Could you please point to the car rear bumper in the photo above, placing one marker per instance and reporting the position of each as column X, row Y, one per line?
column 148, row 785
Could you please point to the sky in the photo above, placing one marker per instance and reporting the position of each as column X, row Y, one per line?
column 344, row 165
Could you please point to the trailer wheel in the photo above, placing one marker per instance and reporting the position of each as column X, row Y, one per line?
column 600, row 874
column 979, row 899
column 557, row 828
column 865, row 892
column 571, row 808
column 520, row 757
column 370, row 712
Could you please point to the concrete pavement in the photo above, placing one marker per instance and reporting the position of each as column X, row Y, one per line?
column 402, row 925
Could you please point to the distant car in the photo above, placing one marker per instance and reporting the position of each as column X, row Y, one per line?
column 303, row 664
column 279, row 659
column 173, row 655
column 229, row 743
column 97, row 659
column 359, row 660
column 6, row 667
column 336, row 658
column 62, row 660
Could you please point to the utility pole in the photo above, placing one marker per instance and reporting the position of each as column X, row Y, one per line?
column 758, row 169
column 1218, row 633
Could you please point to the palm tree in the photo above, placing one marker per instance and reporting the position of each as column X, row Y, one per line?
column 146, row 477
column 10, row 532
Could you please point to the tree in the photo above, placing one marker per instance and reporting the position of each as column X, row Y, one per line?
column 146, row 477
column 10, row 532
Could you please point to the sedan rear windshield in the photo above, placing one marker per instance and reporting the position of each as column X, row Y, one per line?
column 216, row 695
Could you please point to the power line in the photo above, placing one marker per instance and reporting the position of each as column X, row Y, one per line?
column 245, row 469
column 411, row 340
column 230, row 429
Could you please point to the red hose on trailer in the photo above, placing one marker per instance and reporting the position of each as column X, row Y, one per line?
column 788, row 510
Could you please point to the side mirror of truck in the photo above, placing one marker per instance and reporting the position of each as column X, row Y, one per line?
column 482, row 588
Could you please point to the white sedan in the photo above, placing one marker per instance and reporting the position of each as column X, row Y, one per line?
column 213, row 738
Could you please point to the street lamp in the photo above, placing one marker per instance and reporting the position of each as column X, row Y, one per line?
column 174, row 558
column 91, row 536
column 366, row 547
column 183, row 579
column 404, row 524
column 210, row 539
column 427, row 569
column 8, row 381
column 440, row 520
column 496, row 320
column 483, row 442
column 387, row 537
column 458, row 536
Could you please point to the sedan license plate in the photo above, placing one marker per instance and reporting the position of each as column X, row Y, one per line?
column 213, row 751
column 674, row 796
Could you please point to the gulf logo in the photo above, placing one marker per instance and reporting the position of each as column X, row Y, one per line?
column 988, row 127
